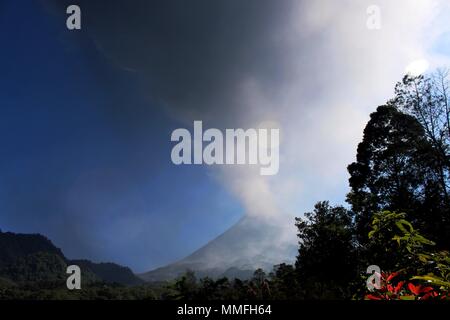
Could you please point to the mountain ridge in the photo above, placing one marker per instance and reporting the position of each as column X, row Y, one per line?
column 26, row 257
column 259, row 246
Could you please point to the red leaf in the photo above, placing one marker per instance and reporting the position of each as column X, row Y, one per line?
column 373, row 297
column 426, row 297
column 392, row 276
column 399, row 286
column 430, row 294
column 426, row 289
column 414, row 289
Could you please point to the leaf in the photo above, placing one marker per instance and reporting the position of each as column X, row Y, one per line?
column 373, row 297
column 424, row 240
column 423, row 257
column 434, row 280
column 401, row 223
column 414, row 289
column 397, row 238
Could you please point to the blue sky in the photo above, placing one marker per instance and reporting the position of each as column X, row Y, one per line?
column 99, row 185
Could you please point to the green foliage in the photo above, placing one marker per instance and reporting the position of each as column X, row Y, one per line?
column 34, row 258
column 417, row 260
column 427, row 99
column 58, row 291
column 436, row 268
column 388, row 173
column 107, row 272
column 403, row 162
column 284, row 283
column 40, row 266
column 186, row 286
column 326, row 258
column 14, row 246
column 400, row 167
column 392, row 225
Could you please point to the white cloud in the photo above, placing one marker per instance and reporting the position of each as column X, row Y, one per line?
column 417, row 67
column 339, row 72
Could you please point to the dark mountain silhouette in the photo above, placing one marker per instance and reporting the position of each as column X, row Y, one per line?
column 33, row 257
column 14, row 246
column 109, row 272
column 250, row 244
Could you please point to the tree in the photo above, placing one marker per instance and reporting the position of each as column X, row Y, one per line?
column 186, row 286
column 427, row 99
column 390, row 169
column 326, row 257
column 284, row 283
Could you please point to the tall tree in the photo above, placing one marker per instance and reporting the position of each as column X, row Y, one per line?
column 397, row 169
column 388, row 173
column 326, row 262
column 427, row 99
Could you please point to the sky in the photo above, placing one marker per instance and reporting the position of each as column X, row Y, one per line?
column 86, row 116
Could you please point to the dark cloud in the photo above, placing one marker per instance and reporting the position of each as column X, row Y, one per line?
column 191, row 56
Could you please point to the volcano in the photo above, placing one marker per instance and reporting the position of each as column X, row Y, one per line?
column 251, row 243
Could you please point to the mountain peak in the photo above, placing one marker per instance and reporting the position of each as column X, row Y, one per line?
column 252, row 243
